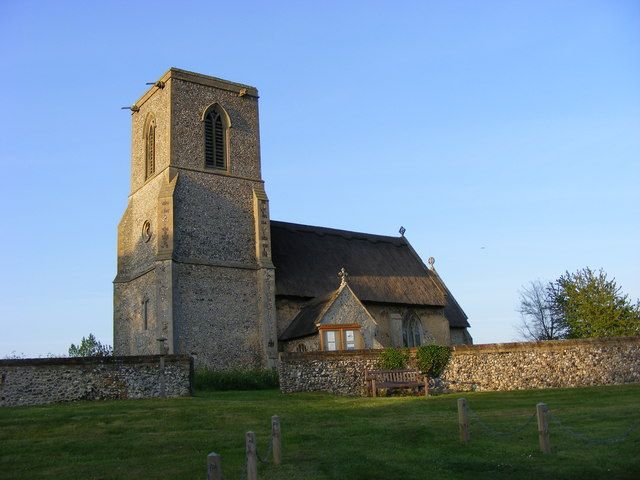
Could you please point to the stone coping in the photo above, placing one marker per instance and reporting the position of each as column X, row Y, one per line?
column 128, row 360
column 544, row 345
column 199, row 78
column 336, row 355
column 472, row 349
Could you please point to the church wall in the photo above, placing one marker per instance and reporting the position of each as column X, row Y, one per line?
column 310, row 344
column 219, row 312
column 130, row 336
column 135, row 255
column 189, row 102
column 346, row 309
column 434, row 324
column 216, row 316
column 136, row 280
column 158, row 104
column 213, row 219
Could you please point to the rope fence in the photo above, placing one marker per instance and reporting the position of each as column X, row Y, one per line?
column 250, row 466
column 500, row 433
column 593, row 441
column 467, row 418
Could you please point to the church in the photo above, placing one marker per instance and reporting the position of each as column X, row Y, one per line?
column 204, row 271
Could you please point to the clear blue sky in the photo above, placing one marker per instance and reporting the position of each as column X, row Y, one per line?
column 505, row 136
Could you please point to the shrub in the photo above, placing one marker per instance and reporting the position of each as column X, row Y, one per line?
column 393, row 359
column 90, row 347
column 433, row 359
column 237, row 379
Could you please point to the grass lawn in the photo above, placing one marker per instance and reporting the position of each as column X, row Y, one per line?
column 323, row 437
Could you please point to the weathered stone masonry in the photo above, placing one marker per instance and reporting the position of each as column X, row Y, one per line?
column 49, row 380
column 509, row 366
column 341, row 373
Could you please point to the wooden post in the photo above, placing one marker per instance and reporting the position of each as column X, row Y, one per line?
column 374, row 390
column 543, row 428
column 463, row 420
column 275, row 438
column 426, row 386
column 214, row 467
column 252, row 459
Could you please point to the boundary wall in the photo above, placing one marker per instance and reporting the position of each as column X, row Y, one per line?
column 36, row 381
column 490, row 367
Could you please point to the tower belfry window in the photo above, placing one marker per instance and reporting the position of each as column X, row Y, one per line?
column 215, row 138
column 150, row 149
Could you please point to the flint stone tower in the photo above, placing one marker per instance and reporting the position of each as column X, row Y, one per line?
column 194, row 252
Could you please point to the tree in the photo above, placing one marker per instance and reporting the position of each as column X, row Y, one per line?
column 591, row 305
column 539, row 319
column 90, row 347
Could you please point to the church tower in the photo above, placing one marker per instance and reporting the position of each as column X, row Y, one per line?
column 194, row 254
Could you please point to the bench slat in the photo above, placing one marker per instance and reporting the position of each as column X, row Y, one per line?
column 395, row 379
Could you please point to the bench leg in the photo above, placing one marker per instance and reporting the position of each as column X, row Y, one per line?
column 374, row 392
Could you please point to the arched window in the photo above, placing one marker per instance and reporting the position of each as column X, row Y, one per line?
column 301, row 347
column 150, row 148
column 216, row 128
column 411, row 330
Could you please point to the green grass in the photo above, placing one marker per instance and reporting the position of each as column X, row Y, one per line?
column 324, row 437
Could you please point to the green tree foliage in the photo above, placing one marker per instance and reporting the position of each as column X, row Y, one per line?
column 393, row 359
column 90, row 347
column 433, row 359
column 591, row 305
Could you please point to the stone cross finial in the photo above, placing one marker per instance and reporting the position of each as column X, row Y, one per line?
column 402, row 230
column 343, row 276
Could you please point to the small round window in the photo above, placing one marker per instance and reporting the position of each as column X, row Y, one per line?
column 146, row 231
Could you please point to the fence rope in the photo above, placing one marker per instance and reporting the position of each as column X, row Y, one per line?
column 594, row 441
column 497, row 433
column 265, row 459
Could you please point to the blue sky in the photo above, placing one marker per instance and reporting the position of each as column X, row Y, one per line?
column 503, row 135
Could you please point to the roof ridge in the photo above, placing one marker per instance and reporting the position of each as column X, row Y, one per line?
column 321, row 231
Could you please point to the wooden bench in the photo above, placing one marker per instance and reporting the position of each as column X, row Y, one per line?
column 395, row 379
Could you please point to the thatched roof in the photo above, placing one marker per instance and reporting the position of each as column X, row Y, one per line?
column 452, row 311
column 381, row 269
column 304, row 323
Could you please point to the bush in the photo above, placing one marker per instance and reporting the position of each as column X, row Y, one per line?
column 237, row 379
column 90, row 347
column 433, row 359
column 393, row 359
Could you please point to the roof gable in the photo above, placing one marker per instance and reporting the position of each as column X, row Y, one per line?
column 340, row 307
